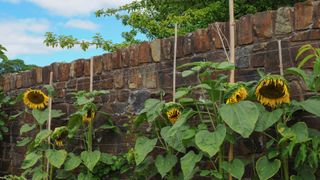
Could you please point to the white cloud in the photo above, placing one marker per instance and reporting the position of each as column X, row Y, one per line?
column 82, row 24
column 24, row 36
column 77, row 7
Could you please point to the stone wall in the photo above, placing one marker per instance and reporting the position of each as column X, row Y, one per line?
column 140, row 71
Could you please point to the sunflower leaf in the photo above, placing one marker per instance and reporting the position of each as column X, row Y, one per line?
column 56, row 157
column 267, row 119
column 235, row 168
column 26, row 128
column 240, row 117
column 188, row 163
column 42, row 116
column 143, row 147
column 30, row 160
column 267, row 169
column 312, row 106
column 41, row 136
column 210, row 142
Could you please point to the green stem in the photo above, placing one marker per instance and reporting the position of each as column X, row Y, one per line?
column 90, row 137
column 198, row 109
column 285, row 168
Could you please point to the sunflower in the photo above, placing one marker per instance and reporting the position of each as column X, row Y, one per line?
column 272, row 90
column 35, row 99
column 88, row 117
column 59, row 134
column 172, row 111
column 237, row 94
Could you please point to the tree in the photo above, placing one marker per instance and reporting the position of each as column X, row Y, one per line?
column 156, row 18
column 11, row 66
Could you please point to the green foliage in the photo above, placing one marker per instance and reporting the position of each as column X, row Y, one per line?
column 143, row 147
column 156, row 18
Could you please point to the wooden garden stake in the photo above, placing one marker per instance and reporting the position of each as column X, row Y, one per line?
column 90, row 123
column 49, row 116
column 280, row 58
column 174, row 63
column 232, row 60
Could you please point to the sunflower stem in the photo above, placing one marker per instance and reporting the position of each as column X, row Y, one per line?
column 285, row 168
column 90, row 137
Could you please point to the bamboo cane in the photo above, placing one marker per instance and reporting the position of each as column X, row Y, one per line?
column 174, row 62
column 49, row 116
column 232, row 60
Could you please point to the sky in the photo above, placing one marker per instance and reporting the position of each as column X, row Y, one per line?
column 23, row 24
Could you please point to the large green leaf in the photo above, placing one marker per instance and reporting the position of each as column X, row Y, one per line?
column 41, row 136
column 235, row 168
column 143, row 147
column 90, row 159
column 312, row 106
column 240, row 117
column 300, row 129
column 173, row 141
column 30, row 160
column 188, row 163
column 56, row 157
column 267, row 119
column 165, row 163
column 72, row 162
column 42, row 116
column 267, row 169
column 210, row 142
column 297, row 133
column 26, row 128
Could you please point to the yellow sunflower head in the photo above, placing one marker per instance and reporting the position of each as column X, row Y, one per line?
column 237, row 94
column 272, row 90
column 89, row 116
column 173, row 111
column 35, row 99
column 59, row 134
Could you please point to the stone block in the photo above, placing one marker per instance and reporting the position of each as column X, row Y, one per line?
column 220, row 34
column 135, row 78
column 125, row 57
column 263, row 24
column 77, row 68
column 167, row 48
column 284, row 20
column 156, row 50
column 151, row 76
column 64, row 71
column 201, row 41
column 119, row 79
column 258, row 59
column 144, row 53
column 116, row 60
column 134, row 55
column 86, row 68
column 242, row 56
column 97, row 65
column 303, row 14
column 106, row 61
column 106, row 81
column 245, row 32
column 46, row 74
column 316, row 12
column 38, row 73
column 123, row 95
column 188, row 44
